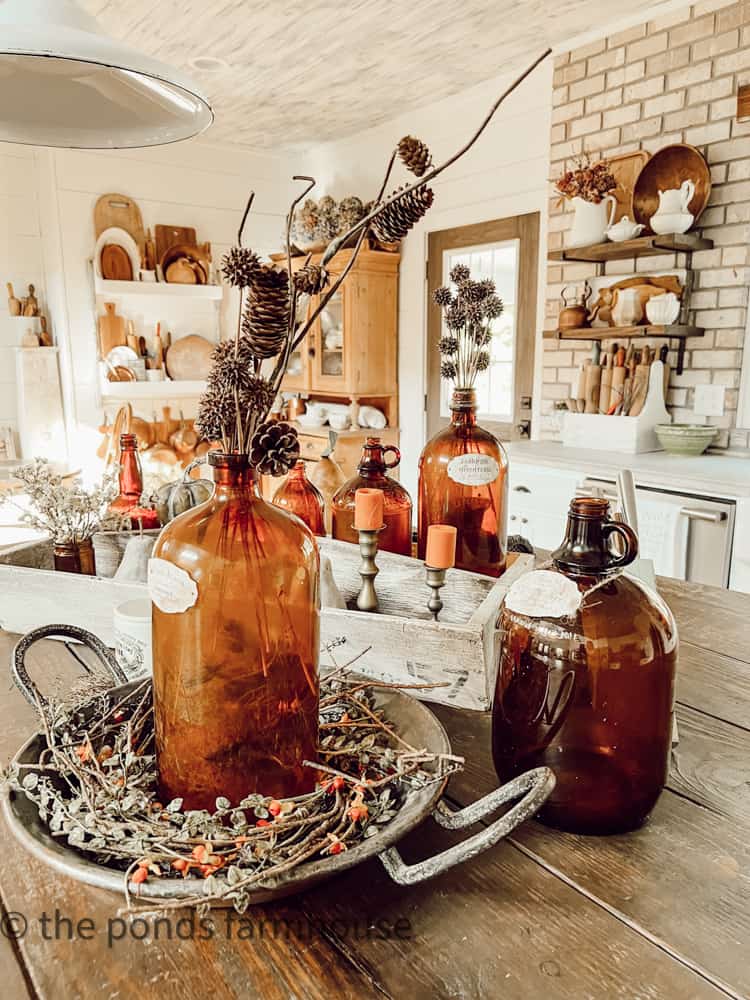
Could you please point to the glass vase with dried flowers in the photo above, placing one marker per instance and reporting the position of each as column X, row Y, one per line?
column 234, row 582
column 587, row 186
column 69, row 513
column 463, row 470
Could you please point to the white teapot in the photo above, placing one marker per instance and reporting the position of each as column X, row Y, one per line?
column 672, row 215
column 624, row 230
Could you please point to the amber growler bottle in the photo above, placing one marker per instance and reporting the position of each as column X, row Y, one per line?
column 585, row 681
column 397, row 505
column 463, row 481
column 234, row 584
column 299, row 496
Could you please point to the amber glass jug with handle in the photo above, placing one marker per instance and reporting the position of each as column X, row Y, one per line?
column 297, row 495
column 397, row 505
column 463, row 481
column 234, row 585
column 586, row 680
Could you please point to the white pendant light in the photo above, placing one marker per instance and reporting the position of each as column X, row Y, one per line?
column 64, row 83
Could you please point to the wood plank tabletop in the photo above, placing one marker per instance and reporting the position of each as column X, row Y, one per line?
column 660, row 913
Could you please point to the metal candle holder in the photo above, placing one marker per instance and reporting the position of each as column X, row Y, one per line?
column 435, row 581
column 367, row 599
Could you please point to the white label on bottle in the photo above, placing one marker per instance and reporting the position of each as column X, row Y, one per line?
column 544, row 594
column 172, row 589
column 473, row 470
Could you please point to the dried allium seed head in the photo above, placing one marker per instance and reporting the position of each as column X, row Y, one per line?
column 483, row 361
column 239, row 265
column 448, row 345
column 459, row 274
column 448, row 369
column 442, row 296
column 414, row 155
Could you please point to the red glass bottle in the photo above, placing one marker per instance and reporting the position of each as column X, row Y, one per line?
column 236, row 628
column 463, row 481
column 299, row 496
column 585, row 681
column 127, row 504
column 397, row 505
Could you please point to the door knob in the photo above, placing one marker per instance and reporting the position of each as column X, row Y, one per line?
column 524, row 428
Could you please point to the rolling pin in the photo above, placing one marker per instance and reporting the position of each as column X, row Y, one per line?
column 605, row 387
column 619, row 371
column 640, row 382
column 593, row 381
column 581, row 396
column 132, row 338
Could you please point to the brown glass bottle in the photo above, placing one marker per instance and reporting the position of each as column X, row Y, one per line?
column 397, row 505
column 589, row 692
column 463, row 481
column 236, row 650
column 131, row 476
column 299, row 496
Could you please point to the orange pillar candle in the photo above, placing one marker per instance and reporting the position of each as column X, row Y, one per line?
column 441, row 546
column 368, row 510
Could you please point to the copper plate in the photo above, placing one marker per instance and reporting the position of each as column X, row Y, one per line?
column 667, row 169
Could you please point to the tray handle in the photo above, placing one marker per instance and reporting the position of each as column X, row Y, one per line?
column 18, row 666
column 532, row 788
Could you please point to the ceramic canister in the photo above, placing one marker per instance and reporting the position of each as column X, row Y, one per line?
column 132, row 628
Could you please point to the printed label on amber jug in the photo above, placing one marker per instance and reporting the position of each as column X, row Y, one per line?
column 543, row 594
column 171, row 589
column 473, row 470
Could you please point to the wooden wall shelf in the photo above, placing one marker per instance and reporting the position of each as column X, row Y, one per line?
column 643, row 246
column 674, row 332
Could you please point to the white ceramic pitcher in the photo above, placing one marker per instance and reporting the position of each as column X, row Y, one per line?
column 591, row 220
column 675, row 201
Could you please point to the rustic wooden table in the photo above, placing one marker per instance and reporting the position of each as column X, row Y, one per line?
column 661, row 913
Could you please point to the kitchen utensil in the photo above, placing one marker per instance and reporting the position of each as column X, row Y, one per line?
column 168, row 236
column 14, row 304
column 132, row 338
column 581, row 394
column 625, row 169
column 640, row 384
column 119, row 373
column 120, row 211
column 663, row 309
column 117, row 237
column 158, row 348
column 30, row 303
column 45, row 337
column 122, row 425
column 184, row 272
column 412, row 720
column 115, row 263
column 666, row 170
column 189, row 358
column 605, row 385
column 111, row 330
column 575, row 314
column 189, row 251
column 122, row 355
column 685, row 439
column 663, row 354
column 184, row 438
column 593, row 382
column 149, row 253
column 624, row 230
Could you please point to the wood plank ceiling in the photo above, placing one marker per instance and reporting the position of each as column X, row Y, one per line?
column 305, row 72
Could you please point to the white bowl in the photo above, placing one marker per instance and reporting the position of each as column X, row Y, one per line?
column 662, row 310
column 339, row 421
column 667, row 224
column 309, row 420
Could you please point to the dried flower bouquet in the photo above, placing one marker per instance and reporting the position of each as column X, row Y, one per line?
column 469, row 313
column 590, row 181
column 68, row 513
column 247, row 371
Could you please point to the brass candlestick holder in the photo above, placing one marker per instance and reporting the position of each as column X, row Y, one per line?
column 367, row 599
column 435, row 581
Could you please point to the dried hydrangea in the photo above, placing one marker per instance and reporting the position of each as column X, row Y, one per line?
column 67, row 512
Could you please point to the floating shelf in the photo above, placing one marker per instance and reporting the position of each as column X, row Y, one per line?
column 164, row 289
column 674, row 331
column 133, row 391
column 643, row 246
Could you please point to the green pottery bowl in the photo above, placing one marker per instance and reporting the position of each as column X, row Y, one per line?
column 685, row 439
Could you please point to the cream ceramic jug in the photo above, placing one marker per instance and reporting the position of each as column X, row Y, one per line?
column 675, row 201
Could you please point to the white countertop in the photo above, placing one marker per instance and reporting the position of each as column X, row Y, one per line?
column 714, row 475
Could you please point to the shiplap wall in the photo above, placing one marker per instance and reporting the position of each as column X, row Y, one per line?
column 188, row 184
column 504, row 174
column 20, row 262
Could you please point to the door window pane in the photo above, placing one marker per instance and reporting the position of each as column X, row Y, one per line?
column 332, row 336
column 498, row 261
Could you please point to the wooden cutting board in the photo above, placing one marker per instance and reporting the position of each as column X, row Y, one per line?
column 625, row 169
column 111, row 330
column 115, row 263
column 167, row 236
column 121, row 211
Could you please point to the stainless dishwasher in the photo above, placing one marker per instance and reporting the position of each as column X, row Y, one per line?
column 688, row 537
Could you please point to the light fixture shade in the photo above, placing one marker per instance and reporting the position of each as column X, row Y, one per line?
column 64, row 83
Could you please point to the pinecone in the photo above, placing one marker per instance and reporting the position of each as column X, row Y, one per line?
column 397, row 217
column 266, row 318
column 239, row 265
column 274, row 448
column 310, row 280
column 414, row 155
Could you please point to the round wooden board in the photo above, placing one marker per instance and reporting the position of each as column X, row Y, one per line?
column 667, row 169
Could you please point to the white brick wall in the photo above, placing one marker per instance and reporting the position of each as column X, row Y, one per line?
column 674, row 79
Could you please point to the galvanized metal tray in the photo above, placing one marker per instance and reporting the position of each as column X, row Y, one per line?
column 410, row 718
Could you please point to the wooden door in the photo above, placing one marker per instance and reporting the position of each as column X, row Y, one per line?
column 506, row 250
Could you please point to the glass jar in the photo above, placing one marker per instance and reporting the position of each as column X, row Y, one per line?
column 131, row 477
column 463, row 481
column 299, row 496
column 397, row 505
column 236, row 622
column 585, row 681
column 74, row 557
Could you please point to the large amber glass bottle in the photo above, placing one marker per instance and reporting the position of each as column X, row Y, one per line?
column 463, row 481
column 234, row 584
column 585, row 683
column 397, row 505
column 299, row 496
